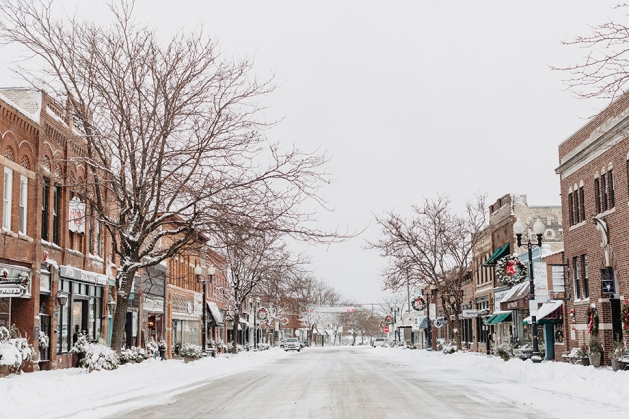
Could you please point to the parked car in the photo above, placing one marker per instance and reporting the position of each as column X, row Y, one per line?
column 379, row 342
column 292, row 344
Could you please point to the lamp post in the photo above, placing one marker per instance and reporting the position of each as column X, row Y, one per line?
column 538, row 228
column 255, row 318
column 394, row 310
column 433, row 292
column 198, row 271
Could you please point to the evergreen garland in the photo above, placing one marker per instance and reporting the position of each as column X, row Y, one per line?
column 592, row 314
column 511, row 271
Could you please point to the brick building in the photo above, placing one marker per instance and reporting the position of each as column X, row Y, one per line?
column 48, row 234
column 53, row 243
column 594, row 176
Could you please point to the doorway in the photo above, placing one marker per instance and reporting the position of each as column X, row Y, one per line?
column 79, row 318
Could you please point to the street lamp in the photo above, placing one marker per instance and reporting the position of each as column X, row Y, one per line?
column 538, row 228
column 394, row 310
column 433, row 293
column 255, row 317
column 198, row 271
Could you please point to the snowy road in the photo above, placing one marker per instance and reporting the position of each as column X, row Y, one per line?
column 336, row 382
column 333, row 382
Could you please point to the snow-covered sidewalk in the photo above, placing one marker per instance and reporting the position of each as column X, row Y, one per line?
column 73, row 393
column 560, row 388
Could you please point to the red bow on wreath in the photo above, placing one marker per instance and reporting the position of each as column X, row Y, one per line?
column 510, row 268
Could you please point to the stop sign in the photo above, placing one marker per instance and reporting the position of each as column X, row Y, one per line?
column 386, row 329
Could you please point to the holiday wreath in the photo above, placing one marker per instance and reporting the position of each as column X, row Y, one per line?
column 418, row 303
column 592, row 314
column 510, row 270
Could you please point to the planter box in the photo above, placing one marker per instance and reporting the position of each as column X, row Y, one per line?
column 595, row 360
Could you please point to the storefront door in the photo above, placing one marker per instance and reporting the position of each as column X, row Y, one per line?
column 79, row 318
column 44, row 353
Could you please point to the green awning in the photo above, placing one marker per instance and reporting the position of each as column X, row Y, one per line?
column 500, row 252
column 500, row 317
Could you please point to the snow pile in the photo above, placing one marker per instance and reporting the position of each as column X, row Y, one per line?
column 75, row 393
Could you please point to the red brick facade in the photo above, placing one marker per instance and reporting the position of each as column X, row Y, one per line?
column 586, row 160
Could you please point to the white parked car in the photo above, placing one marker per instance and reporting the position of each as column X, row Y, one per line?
column 292, row 344
column 379, row 342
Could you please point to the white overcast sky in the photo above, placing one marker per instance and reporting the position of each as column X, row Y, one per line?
column 409, row 99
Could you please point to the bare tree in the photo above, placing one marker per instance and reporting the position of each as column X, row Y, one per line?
column 604, row 72
column 432, row 247
column 168, row 135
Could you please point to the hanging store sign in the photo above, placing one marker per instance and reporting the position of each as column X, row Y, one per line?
column 607, row 281
column 76, row 216
column 540, row 276
column 469, row 314
column 9, row 290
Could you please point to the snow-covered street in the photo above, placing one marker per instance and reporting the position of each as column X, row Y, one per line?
column 334, row 382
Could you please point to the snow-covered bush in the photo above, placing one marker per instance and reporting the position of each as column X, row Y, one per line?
column 189, row 350
column 504, row 350
column 152, row 348
column 81, row 344
column 44, row 340
column 133, row 354
column 446, row 347
column 220, row 344
column 14, row 350
column 99, row 357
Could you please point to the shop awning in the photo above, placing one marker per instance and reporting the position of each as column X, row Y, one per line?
column 424, row 323
column 214, row 315
column 547, row 313
column 500, row 252
column 516, row 298
column 499, row 317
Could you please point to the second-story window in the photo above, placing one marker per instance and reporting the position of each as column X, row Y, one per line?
column 597, row 194
column 604, row 206
column 610, row 189
column 56, row 215
column 45, row 209
column 7, row 198
column 23, row 203
column 582, row 202
column 571, row 209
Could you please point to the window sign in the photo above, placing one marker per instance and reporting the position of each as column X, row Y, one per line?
column 607, row 281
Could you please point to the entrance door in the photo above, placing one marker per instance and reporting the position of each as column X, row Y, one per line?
column 616, row 320
column 44, row 353
column 79, row 319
